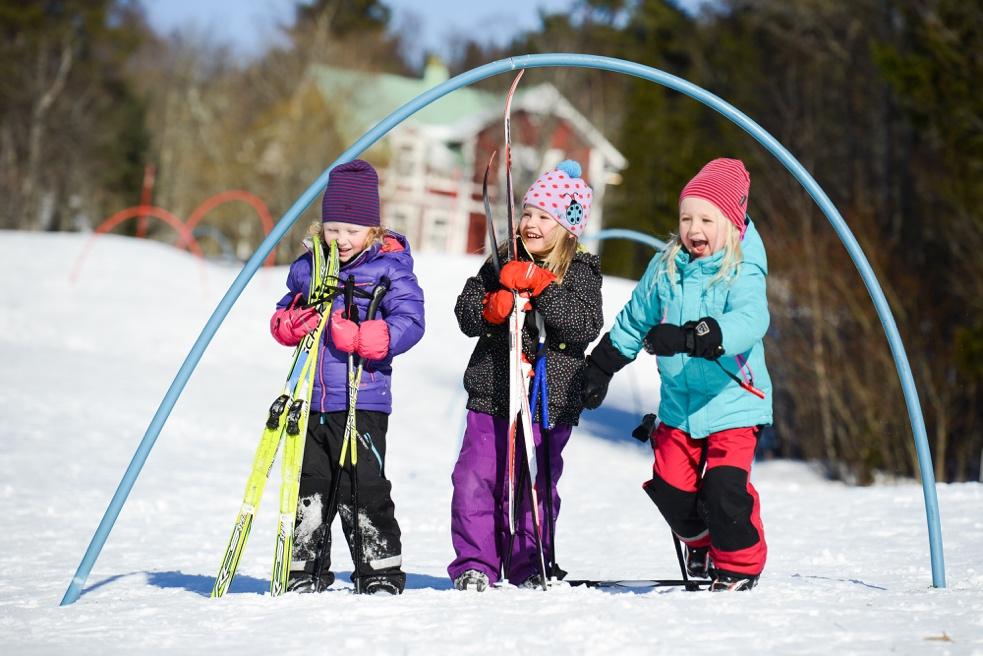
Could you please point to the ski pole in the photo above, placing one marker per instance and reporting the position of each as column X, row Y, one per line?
column 679, row 555
column 350, row 436
column 536, row 528
column 540, row 396
column 690, row 585
column 548, row 501
column 514, row 512
column 349, row 439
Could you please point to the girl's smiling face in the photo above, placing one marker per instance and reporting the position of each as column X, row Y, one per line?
column 535, row 228
column 702, row 226
column 352, row 238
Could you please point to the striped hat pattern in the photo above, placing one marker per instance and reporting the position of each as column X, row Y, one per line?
column 725, row 183
column 352, row 195
column 562, row 194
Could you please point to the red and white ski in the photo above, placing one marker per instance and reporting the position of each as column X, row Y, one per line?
column 519, row 367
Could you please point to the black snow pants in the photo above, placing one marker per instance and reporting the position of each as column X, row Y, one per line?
column 381, row 556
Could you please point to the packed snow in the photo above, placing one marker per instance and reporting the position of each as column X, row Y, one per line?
column 86, row 360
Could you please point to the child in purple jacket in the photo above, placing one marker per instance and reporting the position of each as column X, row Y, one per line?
column 368, row 252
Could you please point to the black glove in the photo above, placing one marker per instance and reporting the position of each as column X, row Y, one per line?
column 602, row 363
column 704, row 339
column 644, row 431
column 698, row 339
column 665, row 339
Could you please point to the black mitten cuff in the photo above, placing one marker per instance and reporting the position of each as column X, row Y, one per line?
column 607, row 357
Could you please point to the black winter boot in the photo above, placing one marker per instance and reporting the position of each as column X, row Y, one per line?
column 302, row 581
column 382, row 585
column 731, row 581
column 471, row 579
column 698, row 562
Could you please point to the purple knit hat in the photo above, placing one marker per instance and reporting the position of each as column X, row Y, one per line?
column 352, row 195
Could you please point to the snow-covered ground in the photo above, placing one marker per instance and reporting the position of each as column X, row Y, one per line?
column 86, row 363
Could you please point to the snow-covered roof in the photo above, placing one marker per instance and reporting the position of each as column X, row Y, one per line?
column 365, row 98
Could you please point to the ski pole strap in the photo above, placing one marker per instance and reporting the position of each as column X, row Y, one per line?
column 325, row 295
column 540, row 391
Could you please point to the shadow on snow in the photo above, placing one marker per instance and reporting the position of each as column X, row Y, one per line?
column 612, row 424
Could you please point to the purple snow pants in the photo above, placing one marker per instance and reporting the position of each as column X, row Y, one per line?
column 479, row 507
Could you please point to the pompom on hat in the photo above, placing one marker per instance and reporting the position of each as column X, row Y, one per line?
column 725, row 183
column 564, row 195
column 352, row 195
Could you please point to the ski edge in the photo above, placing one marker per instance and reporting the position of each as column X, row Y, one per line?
column 634, row 584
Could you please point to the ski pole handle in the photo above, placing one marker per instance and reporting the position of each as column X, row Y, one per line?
column 746, row 386
column 351, row 313
column 377, row 294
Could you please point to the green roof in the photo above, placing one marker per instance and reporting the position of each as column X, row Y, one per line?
column 366, row 98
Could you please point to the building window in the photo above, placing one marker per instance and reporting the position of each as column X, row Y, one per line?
column 405, row 164
column 436, row 232
column 403, row 220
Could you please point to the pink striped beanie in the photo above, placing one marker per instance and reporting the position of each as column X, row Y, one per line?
column 725, row 183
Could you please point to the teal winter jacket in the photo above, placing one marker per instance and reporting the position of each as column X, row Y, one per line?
column 697, row 397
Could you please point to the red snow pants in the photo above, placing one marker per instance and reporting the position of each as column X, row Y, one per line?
column 720, row 509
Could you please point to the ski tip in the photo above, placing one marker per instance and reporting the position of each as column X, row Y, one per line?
column 515, row 83
column 570, row 167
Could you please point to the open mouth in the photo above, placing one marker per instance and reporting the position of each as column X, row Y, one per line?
column 699, row 246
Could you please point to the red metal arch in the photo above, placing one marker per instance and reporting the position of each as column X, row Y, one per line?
column 186, row 238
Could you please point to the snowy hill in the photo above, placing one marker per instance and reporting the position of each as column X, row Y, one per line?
column 86, row 363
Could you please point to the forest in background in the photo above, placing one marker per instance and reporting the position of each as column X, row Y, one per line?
column 878, row 99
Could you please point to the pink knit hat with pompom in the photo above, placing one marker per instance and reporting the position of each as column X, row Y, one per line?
column 564, row 195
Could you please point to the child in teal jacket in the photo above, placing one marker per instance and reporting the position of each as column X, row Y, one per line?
column 701, row 308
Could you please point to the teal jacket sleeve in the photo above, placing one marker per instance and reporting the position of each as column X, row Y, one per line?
column 640, row 314
column 745, row 318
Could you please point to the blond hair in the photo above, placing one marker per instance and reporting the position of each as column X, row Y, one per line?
column 376, row 233
column 561, row 246
column 730, row 265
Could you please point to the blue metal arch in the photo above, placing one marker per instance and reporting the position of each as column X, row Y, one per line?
column 224, row 245
column 622, row 233
column 465, row 79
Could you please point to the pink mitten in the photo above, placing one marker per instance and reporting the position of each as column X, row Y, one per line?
column 344, row 333
column 291, row 324
column 373, row 339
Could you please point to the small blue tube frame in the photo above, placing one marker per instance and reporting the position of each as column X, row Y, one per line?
column 553, row 60
column 623, row 233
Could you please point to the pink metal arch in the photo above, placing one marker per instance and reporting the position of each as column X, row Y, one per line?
column 233, row 195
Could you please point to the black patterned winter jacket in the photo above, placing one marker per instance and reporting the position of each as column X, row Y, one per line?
column 573, row 318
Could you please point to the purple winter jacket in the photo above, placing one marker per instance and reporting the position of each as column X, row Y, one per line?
column 401, row 308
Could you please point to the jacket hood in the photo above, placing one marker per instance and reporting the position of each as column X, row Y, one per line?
column 392, row 243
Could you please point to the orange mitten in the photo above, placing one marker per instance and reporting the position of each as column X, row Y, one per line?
column 525, row 277
column 498, row 306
